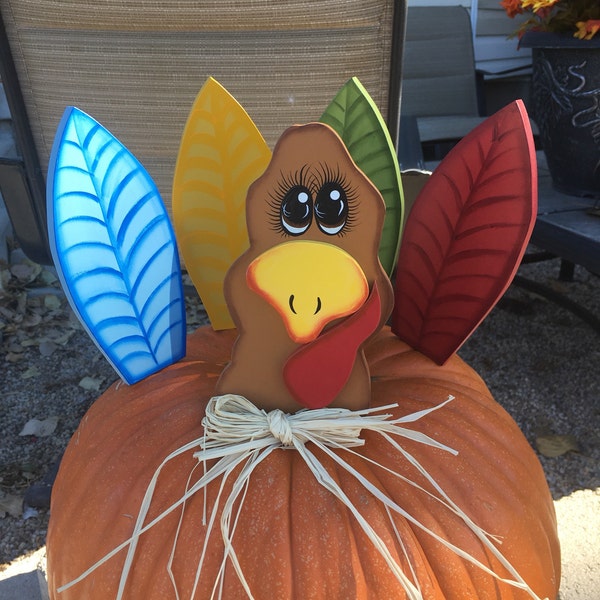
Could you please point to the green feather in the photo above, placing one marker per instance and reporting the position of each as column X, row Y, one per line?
column 357, row 120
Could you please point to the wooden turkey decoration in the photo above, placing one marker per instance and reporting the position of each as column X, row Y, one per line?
column 298, row 447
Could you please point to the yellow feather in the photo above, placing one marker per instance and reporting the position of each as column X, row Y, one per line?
column 221, row 154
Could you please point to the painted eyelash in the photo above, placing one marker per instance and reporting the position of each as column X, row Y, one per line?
column 314, row 181
column 326, row 174
column 286, row 182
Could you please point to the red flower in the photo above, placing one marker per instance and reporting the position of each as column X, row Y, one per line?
column 512, row 7
column 586, row 30
column 578, row 17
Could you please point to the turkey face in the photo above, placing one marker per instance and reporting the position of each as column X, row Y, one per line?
column 314, row 225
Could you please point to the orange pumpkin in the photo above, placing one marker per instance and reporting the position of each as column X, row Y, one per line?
column 294, row 539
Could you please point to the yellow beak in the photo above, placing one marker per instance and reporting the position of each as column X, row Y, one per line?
column 309, row 284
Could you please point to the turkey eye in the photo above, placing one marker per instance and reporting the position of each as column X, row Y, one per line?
column 331, row 208
column 296, row 210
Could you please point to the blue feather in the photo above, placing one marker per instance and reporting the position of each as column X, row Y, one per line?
column 114, row 249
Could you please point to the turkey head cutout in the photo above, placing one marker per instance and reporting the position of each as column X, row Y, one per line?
column 310, row 289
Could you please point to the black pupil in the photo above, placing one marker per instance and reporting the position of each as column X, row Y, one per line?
column 296, row 206
column 331, row 206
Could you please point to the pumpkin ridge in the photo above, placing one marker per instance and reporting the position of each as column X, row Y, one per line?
column 397, row 521
column 478, row 392
column 450, row 523
column 100, row 414
column 353, row 541
column 481, row 425
column 358, row 536
column 357, row 581
column 436, row 571
column 438, row 420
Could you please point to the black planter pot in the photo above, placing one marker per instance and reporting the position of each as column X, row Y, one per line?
column 566, row 107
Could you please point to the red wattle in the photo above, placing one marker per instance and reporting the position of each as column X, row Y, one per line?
column 316, row 373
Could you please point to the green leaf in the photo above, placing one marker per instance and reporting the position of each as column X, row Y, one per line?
column 356, row 119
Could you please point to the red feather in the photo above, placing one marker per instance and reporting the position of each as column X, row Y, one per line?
column 466, row 235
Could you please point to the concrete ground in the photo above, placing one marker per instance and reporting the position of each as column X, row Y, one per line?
column 25, row 578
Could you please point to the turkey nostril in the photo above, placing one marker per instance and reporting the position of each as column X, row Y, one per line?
column 291, row 303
